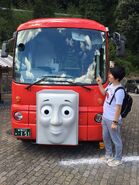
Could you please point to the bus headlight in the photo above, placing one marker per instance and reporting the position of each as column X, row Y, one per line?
column 98, row 118
column 18, row 116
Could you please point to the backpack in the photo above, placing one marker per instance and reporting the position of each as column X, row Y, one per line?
column 127, row 102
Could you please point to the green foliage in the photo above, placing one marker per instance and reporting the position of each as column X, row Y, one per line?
column 6, row 24
column 126, row 64
column 5, row 3
column 44, row 8
column 72, row 10
column 108, row 10
column 9, row 24
column 23, row 4
column 112, row 51
column 130, row 62
column 127, row 22
column 91, row 9
column 11, row 18
column 22, row 17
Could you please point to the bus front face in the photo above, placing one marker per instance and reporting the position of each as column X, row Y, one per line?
column 60, row 60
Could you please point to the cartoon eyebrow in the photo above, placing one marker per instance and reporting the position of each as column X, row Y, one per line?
column 67, row 101
column 46, row 100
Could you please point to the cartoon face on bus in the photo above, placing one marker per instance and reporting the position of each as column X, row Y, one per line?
column 57, row 117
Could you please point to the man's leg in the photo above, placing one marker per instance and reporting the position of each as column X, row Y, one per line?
column 116, row 138
column 107, row 138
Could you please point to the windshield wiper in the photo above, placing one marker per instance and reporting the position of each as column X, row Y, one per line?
column 55, row 76
column 82, row 85
column 67, row 81
column 36, row 82
column 72, row 83
column 45, row 77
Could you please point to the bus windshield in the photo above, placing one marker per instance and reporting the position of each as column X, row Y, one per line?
column 78, row 55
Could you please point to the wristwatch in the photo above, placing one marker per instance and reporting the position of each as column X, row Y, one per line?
column 115, row 122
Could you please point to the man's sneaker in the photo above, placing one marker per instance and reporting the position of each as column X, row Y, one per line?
column 110, row 159
column 114, row 163
column 106, row 158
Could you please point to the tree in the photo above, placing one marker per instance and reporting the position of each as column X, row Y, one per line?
column 62, row 5
column 5, row 3
column 127, row 22
column 73, row 10
column 44, row 8
column 112, row 50
column 92, row 9
column 108, row 10
column 23, row 4
column 6, row 20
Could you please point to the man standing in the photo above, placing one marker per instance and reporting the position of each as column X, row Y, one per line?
column 112, row 120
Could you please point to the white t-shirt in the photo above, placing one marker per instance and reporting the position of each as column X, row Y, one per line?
column 109, row 110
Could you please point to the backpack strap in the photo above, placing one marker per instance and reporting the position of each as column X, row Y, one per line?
column 108, row 86
column 115, row 92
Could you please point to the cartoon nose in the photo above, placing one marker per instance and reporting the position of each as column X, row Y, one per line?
column 56, row 119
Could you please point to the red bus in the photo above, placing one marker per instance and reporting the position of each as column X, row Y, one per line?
column 55, row 97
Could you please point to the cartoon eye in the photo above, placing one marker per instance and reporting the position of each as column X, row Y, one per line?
column 67, row 112
column 46, row 110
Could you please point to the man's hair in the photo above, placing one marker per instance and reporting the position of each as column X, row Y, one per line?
column 118, row 72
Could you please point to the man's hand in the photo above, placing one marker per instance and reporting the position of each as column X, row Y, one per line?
column 114, row 126
column 99, row 80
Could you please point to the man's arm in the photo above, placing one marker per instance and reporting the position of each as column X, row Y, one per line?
column 116, row 116
column 119, row 100
column 101, row 88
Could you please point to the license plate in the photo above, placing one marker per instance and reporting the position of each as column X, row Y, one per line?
column 22, row 132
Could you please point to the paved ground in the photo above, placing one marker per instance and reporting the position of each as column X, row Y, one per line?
column 28, row 164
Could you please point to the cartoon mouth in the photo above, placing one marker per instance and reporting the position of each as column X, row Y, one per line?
column 56, row 131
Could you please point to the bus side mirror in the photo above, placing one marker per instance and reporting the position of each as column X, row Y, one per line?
column 4, row 51
column 119, row 40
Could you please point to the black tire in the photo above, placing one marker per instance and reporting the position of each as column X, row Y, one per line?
column 25, row 141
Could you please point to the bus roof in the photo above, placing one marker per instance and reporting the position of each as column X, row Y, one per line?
column 62, row 23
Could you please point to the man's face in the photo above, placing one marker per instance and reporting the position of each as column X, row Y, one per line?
column 111, row 78
column 58, row 117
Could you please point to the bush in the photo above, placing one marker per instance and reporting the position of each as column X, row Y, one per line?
column 130, row 62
